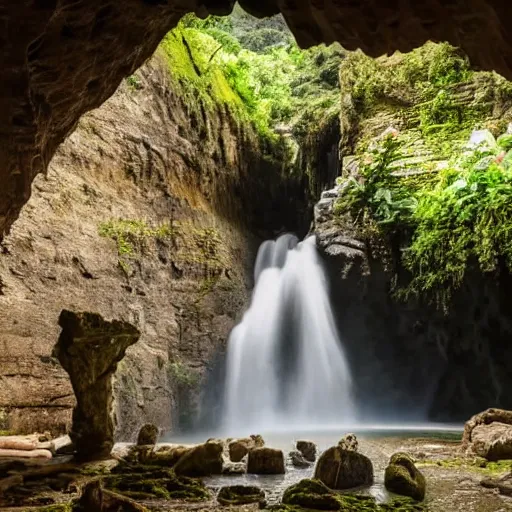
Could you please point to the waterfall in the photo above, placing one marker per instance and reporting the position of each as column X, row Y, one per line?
column 285, row 362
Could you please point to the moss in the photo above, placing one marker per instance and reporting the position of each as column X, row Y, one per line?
column 149, row 482
column 477, row 464
column 311, row 494
column 240, row 495
column 402, row 477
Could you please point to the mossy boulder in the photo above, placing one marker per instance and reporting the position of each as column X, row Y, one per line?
column 266, row 461
column 403, row 477
column 138, row 481
column 311, row 494
column 167, row 456
column 240, row 495
column 202, row 460
column 148, row 434
column 308, row 450
column 343, row 469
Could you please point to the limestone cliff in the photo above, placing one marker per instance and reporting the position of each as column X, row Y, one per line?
column 149, row 213
column 418, row 350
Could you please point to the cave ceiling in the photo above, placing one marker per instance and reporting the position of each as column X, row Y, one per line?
column 61, row 58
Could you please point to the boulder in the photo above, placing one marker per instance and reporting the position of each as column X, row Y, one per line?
column 311, row 494
column 265, row 461
column 493, row 442
column 298, row 460
column 165, row 456
column 349, row 442
column 148, row 434
column 343, row 469
column 240, row 495
column 89, row 349
column 239, row 448
column 485, row 418
column 403, row 477
column 202, row 460
column 308, row 450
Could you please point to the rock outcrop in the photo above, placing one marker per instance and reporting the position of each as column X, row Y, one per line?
column 89, row 349
column 489, row 435
column 403, row 477
column 462, row 346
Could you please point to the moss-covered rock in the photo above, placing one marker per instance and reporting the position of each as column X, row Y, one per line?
column 343, row 469
column 266, row 461
column 311, row 494
column 148, row 482
column 240, row 495
column 403, row 477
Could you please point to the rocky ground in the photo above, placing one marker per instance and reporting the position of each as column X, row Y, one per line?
column 453, row 481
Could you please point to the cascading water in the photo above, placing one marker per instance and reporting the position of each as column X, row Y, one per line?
column 285, row 363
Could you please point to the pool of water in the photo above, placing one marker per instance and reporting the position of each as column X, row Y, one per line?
column 378, row 442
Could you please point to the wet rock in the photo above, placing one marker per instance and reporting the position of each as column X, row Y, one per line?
column 308, row 450
column 202, row 460
column 298, row 460
column 234, row 468
column 493, row 442
column 343, row 469
column 239, row 448
column 148, row 434
column 89, row 349
column 403, row 477
column 348, row 442
column 241, row 495
column 265, row 461
column 311, row 494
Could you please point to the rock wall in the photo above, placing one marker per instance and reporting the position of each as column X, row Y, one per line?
column 412, row 360
column 146, row 214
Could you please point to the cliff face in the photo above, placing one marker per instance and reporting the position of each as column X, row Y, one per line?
column 422, row 343
column 146, row 214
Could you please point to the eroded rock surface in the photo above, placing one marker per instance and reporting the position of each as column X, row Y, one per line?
column 70, row 57
column 489, row 434
column 89, row 349
column 96, row 236
column 403, row 477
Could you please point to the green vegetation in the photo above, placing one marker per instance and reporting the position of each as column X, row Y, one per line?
column 478, row 464
column 255, row 68
column 444, row 204
column 183, row 375
column 194, row 245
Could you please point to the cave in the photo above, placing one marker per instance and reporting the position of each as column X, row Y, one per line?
column 221, row 219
